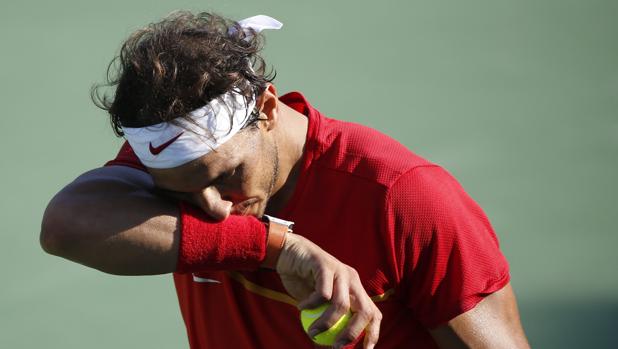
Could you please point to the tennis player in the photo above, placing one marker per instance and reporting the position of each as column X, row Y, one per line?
column 260, row 205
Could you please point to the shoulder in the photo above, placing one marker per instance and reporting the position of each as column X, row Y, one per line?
column 448, row 252
column 364, row 152
column 428, row 199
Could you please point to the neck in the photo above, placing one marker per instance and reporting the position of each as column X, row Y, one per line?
column 291, row 139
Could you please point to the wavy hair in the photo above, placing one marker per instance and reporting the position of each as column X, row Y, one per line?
column 172, row 67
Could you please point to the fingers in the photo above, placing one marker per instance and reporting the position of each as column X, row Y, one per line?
column 348, row 294
column 362, row 321
column 331, row 281
column 323, row 291
column 365, row 317
column 339, row 306
column 372, row 332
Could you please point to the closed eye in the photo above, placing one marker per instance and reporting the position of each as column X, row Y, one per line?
column 223, row 177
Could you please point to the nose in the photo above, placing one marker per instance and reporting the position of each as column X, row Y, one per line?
column 213, row 204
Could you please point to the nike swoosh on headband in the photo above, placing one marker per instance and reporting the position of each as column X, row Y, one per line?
column 221, row 123
column 160, row 148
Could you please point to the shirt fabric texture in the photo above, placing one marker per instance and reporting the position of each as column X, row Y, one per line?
column 424, row 250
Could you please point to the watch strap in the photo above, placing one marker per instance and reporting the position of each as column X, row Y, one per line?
column 277, row 231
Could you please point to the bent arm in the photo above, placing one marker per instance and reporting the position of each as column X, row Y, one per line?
column 110, row 219
column 493, row 323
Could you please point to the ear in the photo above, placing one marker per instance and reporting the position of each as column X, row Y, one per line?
column 268, row 105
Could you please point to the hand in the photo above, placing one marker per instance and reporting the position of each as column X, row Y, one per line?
column 313, row 276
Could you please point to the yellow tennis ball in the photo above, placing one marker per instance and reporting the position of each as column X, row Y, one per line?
column 327, row 338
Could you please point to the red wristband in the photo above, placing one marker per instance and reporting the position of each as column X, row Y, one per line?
column 237, row 243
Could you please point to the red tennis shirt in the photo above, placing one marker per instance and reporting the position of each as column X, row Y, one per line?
column 424, row 250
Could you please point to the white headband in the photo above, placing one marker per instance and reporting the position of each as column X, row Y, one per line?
column 174, row 143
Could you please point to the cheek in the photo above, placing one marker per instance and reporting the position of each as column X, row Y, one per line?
column 179, row 182
column 258, row 177
column 259, row 167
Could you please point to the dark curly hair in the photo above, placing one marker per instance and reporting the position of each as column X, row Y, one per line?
column 170, row 68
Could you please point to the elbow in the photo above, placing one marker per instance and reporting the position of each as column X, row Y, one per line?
column 49, row 240
column 55, row 237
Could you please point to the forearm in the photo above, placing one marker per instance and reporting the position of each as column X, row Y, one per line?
column 113, row 220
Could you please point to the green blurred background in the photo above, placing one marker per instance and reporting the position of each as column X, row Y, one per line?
column 518, row 99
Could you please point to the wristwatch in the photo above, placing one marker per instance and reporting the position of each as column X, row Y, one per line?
column 277, row 231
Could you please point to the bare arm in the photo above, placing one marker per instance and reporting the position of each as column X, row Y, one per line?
column 111, row 220
column 493, row 323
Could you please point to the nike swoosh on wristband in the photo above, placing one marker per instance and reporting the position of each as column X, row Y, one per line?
column 160, row 148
